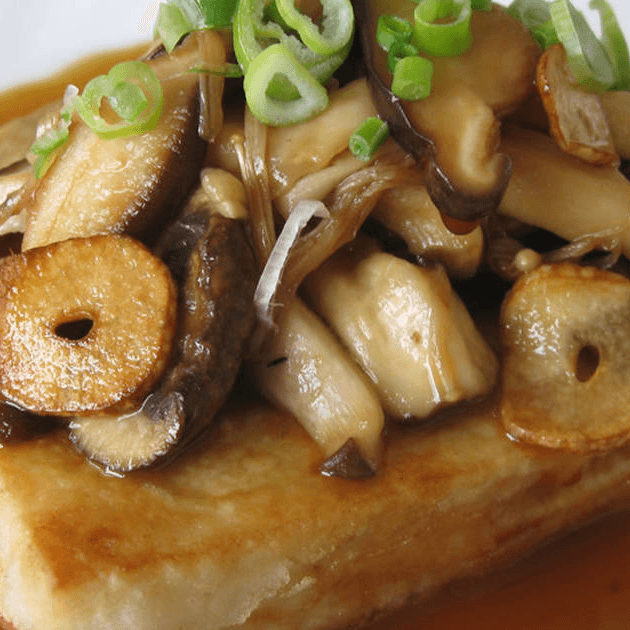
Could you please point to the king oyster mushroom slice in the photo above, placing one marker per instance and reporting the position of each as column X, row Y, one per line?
column 558, row 192
column 304, row 369
column 565, row 332
column 455, row 130
column 577, row 119
column 126, row 184
column 211, row 259
column 409, row 212
column 406, row 327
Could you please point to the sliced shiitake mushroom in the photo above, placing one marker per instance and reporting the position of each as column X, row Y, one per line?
column 558, row 192
column 212, row 260
column 126, row 184
column 18, row 425
column 577, row 119
column 565, row 333
column 85, row 324
column 304, row 369
column 455, row 131
column 405, row 326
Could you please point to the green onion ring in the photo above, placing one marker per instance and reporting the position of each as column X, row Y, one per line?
column 111, row 86
column 443, row 39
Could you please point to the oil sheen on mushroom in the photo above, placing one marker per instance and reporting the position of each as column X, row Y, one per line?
column 211, row 259
column 455, row 131
column 125, row 184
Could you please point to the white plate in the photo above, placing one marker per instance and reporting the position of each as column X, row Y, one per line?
column 40, row 36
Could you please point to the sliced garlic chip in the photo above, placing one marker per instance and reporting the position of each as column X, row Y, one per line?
column 85, row 324
column 566, row 373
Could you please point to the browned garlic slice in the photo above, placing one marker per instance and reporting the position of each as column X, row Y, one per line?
column 409, row 212
column 577, row 120
column 565, row 334
column 305, row 370
column 85, row 324
column 406, row 327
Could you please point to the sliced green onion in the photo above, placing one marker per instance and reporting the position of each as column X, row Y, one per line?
column 413, row 78
column 171, row 25
column 46, row 145
column 481, row 5
column 391, row 29
column 545, row 34
column 398, row 51
column 177, row 18
column 531, row 13
column 227, row 70
column 435, row 36
column 365, row 141
column 586, row 56
column 134, row 119
column 251, row 35
column 614, row 43
column 276, row 60
column 336, row 29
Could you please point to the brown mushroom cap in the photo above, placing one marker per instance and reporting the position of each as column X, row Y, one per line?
column 566, row 373
column 455, row 130
column 125, row 184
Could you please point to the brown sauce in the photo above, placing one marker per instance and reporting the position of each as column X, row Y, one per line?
column 581, row 582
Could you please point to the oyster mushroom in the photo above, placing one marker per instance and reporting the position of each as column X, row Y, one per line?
column 577, row 119
column 560, row 193
column 409, row 212
column 565, row 333
column 126, row 184
column 455, row 131
column 211, row 258
column 405, row 327
column 305, row 370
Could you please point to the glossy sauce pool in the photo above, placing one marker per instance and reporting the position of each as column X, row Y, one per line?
column 581, row 582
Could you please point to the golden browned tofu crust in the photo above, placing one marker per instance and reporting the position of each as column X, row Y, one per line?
column 245, row 532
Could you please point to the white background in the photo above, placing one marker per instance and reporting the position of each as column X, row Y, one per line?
column 38, row 36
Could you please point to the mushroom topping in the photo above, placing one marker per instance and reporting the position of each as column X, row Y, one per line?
column 126, row 184
column 406, row 327
column 577, row 120
column 409, row 212
column 455, row 130
column 553, row 190
column 616, row 105
column 300, row 150
column 211, row 259
column 85, row 324
column 304, row 369
column 565, row 333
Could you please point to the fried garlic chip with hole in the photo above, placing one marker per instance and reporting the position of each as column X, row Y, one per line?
column 565, row 332
column 85, row 324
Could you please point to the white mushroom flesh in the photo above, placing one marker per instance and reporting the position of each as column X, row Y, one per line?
column 406, row 327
